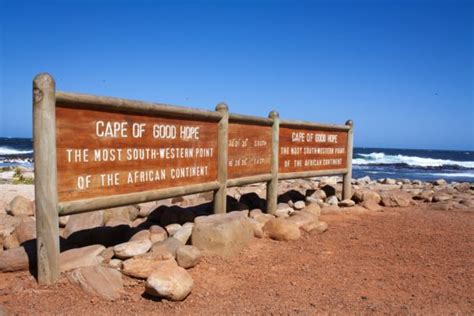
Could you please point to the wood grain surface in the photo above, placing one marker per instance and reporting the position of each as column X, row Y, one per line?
column 311, row 150
column 249, row 151
column 122, row 159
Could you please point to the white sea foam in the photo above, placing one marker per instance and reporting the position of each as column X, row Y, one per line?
column 7, row 151
column 383, row 159
column 452, row 175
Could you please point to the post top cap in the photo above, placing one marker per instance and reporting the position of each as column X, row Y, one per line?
column 349, row 123
column 222, row 106
column 273, row 114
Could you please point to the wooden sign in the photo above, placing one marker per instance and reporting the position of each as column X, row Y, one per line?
column 311, row 150
column 110, row 153
column 249, row 150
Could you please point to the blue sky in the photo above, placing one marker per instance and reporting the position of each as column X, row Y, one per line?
column 402, row 70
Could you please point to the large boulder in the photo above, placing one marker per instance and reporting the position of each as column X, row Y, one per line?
column 100, row 281
column 8, row 224
column 396, row 198
column 157, row 233
column 20, row 206
column 360, row 196
column 184, row 233
column 16, row 259
column 371, row 205
column 81, row 257
column 221, row 234
column 304, row 220
column 169, row 281
column 25, row 231
column 83, row 221
column 128, row 213
column 170, row 245
column 281, row 229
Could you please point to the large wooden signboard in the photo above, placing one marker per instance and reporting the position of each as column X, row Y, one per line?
column 303, row 150
column 249, row 150
column 105, row 153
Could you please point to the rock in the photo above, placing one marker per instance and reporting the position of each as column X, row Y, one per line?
column 146, row 208
column 365, row 195
column 8, row 224
column 304, row 220
column 395, row 198
column 183, row 233
column 330, row 209
column 99, row 281
column 63, row 220
column 299, row 205
column 364, row 180
column 143, row 266
column 15, row 259
column 81, row 257
column 329, row 190
column 116, row 264
column 172, row 228
column 321, row 227
column 257, row 227
column 141, row 235
column 139, row 221
column 440, row 182
column 463, row 186
column 319, row 195
column 107, row 254
column 389, row 181
column 255, row 212
column 83, row 221
column 20, row 206
column 128, row 213
column 281, row 230
column 283, row 213
column 346, row 203
column 170, row 282
column 443, row 206
column 263, row 218
column 157, row 234
column 441, row 197
column 372, row 206
column 25, row 231
column 221, row 234
column 170, row 245
column 10, row 242
column 425, row 196
column 313, row 208
column 132, row 248
column 468, row 203
column 114, row 222
column 332, row 200
column 188, row 256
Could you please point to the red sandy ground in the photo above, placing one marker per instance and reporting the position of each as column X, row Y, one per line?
column 400, row 261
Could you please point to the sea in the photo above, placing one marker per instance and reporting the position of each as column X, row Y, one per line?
column 377, row 163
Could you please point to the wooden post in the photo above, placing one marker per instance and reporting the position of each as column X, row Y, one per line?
column 46, row 193
column 347, row 178
column 220, row 195
column 272, row 185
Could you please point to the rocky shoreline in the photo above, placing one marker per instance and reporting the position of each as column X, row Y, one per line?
column 158, row 242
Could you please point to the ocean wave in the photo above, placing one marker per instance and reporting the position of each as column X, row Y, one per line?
column 7, row 151
column 412, row 161
column 452, row 175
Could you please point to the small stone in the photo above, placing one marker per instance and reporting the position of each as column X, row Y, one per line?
column 143, row 266
column 169, row 245
column 332, row 200
column 299, row 205
column 20, row 206
column 172, row 228
column 372, row 206
column 8, row 224
column 170, row 282
column 157, row 233
column 321, row 227
column 346, row 203
column 10, row 242
column 81, row 257
column 441, row 197
column 25, row 231
column 440, row 182
column 304, row 220
column 183, row 233
column 100, row 281
column 389, row 181
column 281, row 229
column 425, row 196
column 132, row 248
column 365, row 195
column 283, row 212
column 107, row 254
column 116, row 264
column 188, row 256
column 141, row 235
